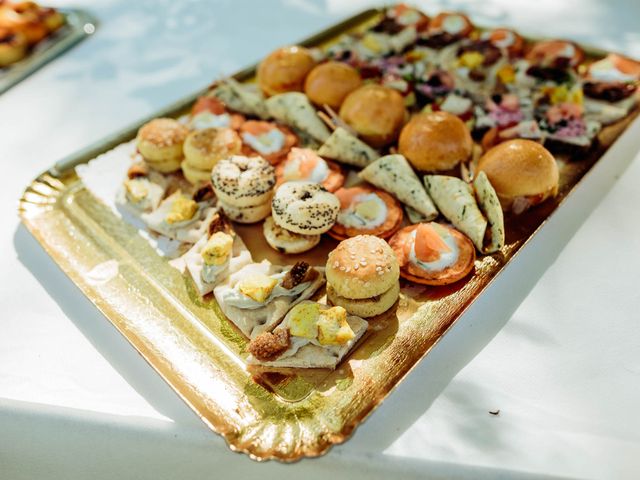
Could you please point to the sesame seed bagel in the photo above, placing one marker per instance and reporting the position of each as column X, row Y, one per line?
column 161, row 140
column 365, row 307
column 243, row 181
column 204, row 148
column 285, row 241
column 362, row 267
column 304, row 207
column 246, row 214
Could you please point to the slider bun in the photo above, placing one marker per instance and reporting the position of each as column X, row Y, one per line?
column 375, row 112
column 330, row 82
column 161, row 140
column 284, row 70
column 362, row 267
column 435, row 141
column 520, row 168
column 365, row 307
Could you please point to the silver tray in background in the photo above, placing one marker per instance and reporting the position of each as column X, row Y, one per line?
column 79, row 25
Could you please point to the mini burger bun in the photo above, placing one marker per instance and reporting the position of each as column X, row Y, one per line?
column 375, row 112
column 284, row 70
column 330, row 82
column 435, row 141
column 520, row 168
column 362, row 267
column 365, row 307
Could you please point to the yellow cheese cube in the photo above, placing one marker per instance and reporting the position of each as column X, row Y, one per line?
column 303, row 320
column 257, row 287
column 471, row 60
column 217, row 249
column 182, row 209
column 507, row 74
column 333, row 328
column 136, row 188
column 559, row 94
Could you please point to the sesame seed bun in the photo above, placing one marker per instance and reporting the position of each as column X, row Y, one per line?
column 362, row 267
column 520, row 168
column 365, row 307
column 377, row 113
column 161, row 139
column 435, row 141
column 204, row 148
column 330, row 82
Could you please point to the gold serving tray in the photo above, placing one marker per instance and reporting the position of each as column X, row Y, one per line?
column 79, row 25
column 282, row 414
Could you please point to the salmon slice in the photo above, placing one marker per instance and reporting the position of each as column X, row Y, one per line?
column 391, row 224
column 429, row 246
column 401, row 243
column 257, row 128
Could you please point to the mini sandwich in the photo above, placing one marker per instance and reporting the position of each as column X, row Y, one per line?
column 362, row 276
column 181, row 217
column 393, row 174
column 473, row 209
column 611, row 88
column 295, row 110
column 522, row 172
column 258, row 296
column 142, row 190
column 216, row 255
column 310, row 336
column 348, row 149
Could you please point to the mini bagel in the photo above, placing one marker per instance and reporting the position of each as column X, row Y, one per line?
column 304, row 207
column 251, row 214
column 195, row 175
column 243, row 181
column 161, row 140
column 204, row 148
column 285, row 241
column 166, row 166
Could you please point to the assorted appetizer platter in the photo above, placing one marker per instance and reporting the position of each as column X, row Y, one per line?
column 32, row 34
column 284, row 247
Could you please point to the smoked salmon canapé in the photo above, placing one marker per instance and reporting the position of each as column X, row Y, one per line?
column 266, row 139
column 210, row 112
column 305, row 164
column 366, row 211
column 433, row 254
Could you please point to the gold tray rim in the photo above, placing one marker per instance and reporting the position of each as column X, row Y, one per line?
column 51, row 175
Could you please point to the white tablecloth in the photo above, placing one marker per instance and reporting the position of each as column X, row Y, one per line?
column 563, row 368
